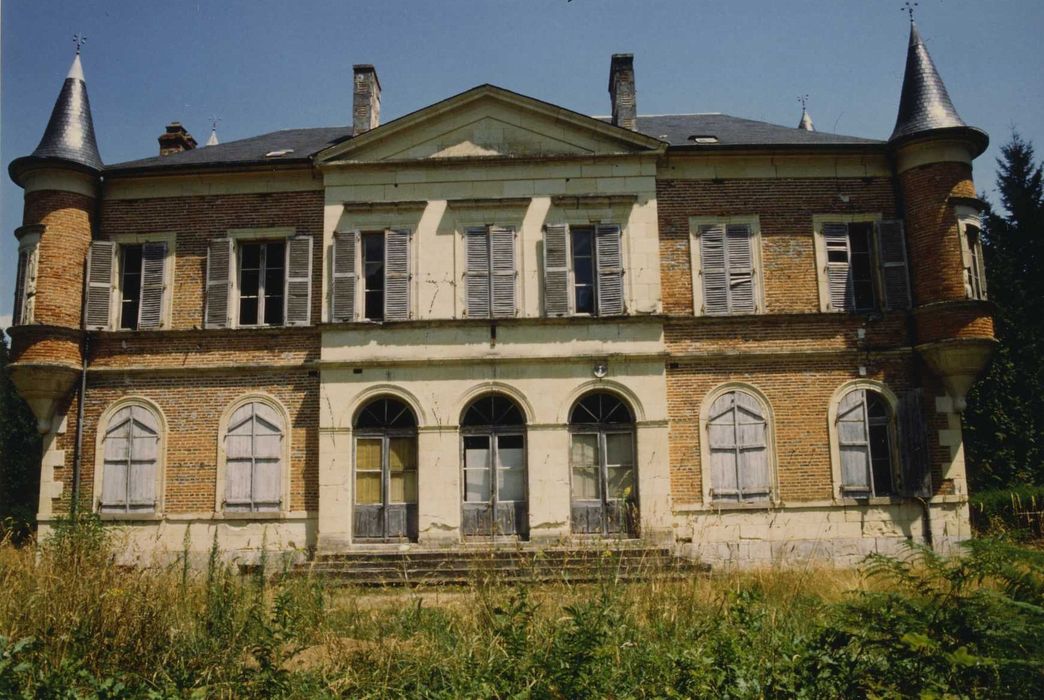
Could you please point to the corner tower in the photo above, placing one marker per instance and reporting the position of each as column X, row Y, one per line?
column 933, row 151
column 61, row 180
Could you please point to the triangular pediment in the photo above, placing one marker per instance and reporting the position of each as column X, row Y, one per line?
column 489, row 122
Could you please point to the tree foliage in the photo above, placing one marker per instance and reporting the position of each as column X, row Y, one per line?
column 1004, row 421
column 19, row 456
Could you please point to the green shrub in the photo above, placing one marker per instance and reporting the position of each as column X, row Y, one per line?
column 1016, row 512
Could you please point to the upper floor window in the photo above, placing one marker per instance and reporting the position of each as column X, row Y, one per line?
column 491, row 272
column 737, row 433
column 724, row 256
column 131, row 447
column 371, row 274
column 866, row 441
column 862, row 264
column 583, row 270
column 258, row 282
column 25, row 279
column 971, row 254
column 127, row 284
column 255, row 458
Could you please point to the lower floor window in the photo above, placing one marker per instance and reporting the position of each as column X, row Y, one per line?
column 131, row 446
column 866, row 442
column 254, row 459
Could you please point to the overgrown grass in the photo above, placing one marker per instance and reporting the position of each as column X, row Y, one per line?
column 1016, row 512
column 72, row 624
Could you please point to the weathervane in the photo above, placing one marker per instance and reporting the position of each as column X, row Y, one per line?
column 803, row 99
column 79, row 40
column 908, row 7
column 213, row 123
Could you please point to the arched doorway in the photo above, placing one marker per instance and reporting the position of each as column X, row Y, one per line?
column 603, row 483
column 493, row 451
column 385, row 506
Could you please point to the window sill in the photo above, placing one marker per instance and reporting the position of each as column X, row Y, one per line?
column 872, row 501
column 723, row 506
column 130, row 517
column 250, row 515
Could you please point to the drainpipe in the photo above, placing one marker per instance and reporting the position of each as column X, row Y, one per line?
column 926, row 522
column 78, row 450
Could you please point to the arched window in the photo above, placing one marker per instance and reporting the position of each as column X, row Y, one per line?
column 493, row 442
column 385, row 471
column 130, row 467
column 866, row 441
column 255, row 454
column 738, row 442
column 602, row 465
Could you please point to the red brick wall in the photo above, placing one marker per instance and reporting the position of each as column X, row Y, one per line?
column 62, row 254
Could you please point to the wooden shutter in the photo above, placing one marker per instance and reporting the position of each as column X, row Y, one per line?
column 721, row 435
column 916, row 468
column 751, row 448
column 153, row 282
column 396, row 275
column 100, row 265
column 853, row 439
column 477, row 272
column 342, row 298
column 610, row 269
column 267, row 477
column 739, row 255
column 219, row 283
column 116, row 448
column 891, row 252
column 502, row 256
column 712, row 269
column 20, row 288
column 556, row 270
column 835, row 239
column 144, row 453
column 239, row 453
column 298, row 295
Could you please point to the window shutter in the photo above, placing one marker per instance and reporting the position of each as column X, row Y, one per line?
column 835, row 236
column 891, row 251
column 396, row 275
column 610, row 270
column 721, row 434
column 853, row 440
column 219, row 283
column 100, row 265
column 477, row 274
column 342, row 299
column 556, row 270
column 20, row 288
column 502, row 255
column 144, row 454
column 153, row 282
column 739, row 253
column 752, row 448
column 916, row 470
column 712, row 264
column 298, row 296
column 117, row 448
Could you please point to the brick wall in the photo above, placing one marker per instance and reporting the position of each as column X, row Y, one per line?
column 62, row 254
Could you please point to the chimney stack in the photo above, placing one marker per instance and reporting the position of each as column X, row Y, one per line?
column 621, row 91
column 366, row 99
column 175, row 140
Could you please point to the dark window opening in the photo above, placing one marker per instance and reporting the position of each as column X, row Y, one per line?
column 880, row 444
column 583, row 270
column 373, row 275
column 262, row 278
column 130, row 286
column 860, row 240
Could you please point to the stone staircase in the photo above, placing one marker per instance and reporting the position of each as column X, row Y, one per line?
column 516, row 564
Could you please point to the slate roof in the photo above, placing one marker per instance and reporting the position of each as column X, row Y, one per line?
column 677, row 130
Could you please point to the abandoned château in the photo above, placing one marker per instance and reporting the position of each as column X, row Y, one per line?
column 496, row 320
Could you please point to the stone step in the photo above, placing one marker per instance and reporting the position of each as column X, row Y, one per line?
column 498, row 555
column 372, row 579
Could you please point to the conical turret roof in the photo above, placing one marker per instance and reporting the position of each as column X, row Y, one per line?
column 69, row 136
column 924, row 104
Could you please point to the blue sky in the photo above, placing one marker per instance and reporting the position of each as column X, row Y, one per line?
column 263, row 65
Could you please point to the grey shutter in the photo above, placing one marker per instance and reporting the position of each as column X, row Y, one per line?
column 267, row 477
column 712, row 269
column 721, row 434
column 20, row 286
column 752, row 448
column 477, row 282
column 556, row 270
column 835, row 238
column 610, row 269
column 153, row 282
column 396, row 275
column 100, row 265
column 219, row 283
column 916, row 469
column 116, row 448
column 298, row 298
column 239, row 453
column 891, row 252
column 502, row 256
column 853, row 440
column 739, row 253
column 342, row 298
column 144, row 453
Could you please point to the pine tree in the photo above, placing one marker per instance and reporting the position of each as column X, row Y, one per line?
column 1004, row 421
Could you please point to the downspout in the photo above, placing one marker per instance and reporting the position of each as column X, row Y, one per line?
column 926, row 521
column 78, row 450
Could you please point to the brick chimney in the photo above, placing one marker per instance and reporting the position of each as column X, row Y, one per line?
column 621, row 91
column 175, row 140
column 366, row 99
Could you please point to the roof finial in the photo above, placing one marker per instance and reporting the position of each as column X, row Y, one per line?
column 908, row 7
column 79, row 40
column 213, row 140
column 806, row 121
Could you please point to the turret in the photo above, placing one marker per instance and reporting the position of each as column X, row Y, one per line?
column 60, row 179
column 933, row 151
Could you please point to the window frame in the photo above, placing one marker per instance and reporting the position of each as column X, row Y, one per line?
column 696, row 261
column 894, row 437
column 101, row 428
column 971, row 255
column 572, row 224
column 262, row 271
column 221, row 487
column 24, row 309
column 358, row 273
column 255, row 235
column 122, row 240
column 823, row 282
column 706, row 471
